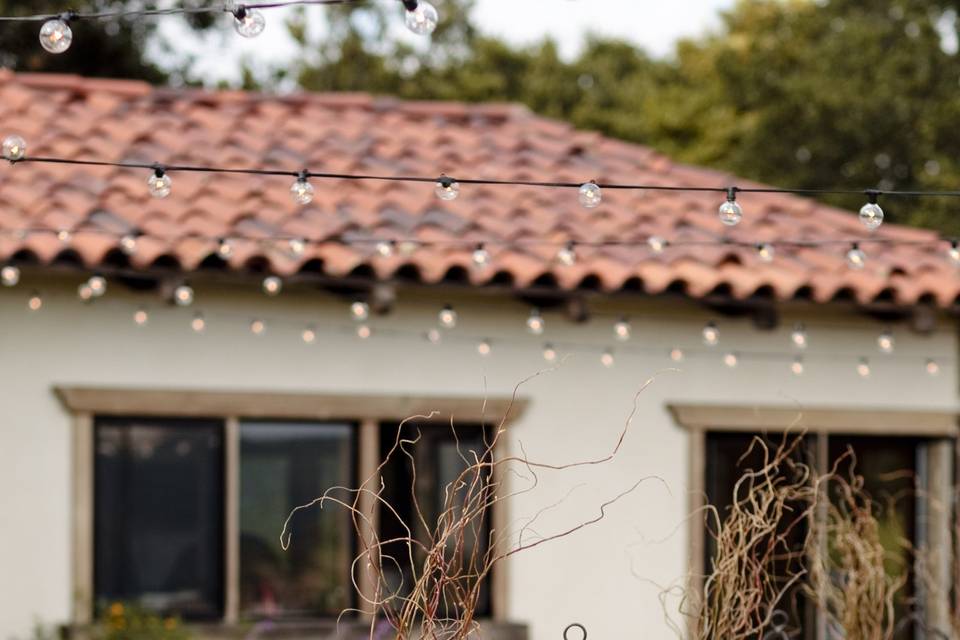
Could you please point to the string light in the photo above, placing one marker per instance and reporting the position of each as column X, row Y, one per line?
column 448, row 317
column 954, row 252
column 481, row 257
column 549, row 353
column 159, row 183
column 385, row 248
column 301, row 190
column 434, row 336
column 14, row 148
column 730, row 212
column 224, row 248
column 421, row 17
column 799, row 336
column 656, row 244
column 863, row 368
column 183, row 295
column 731, row 360
column 797, row 366
column 535, row 323
column 886, row 342
column 364, row 331
column 447, row 188
column 249, row 23
column 932, row 367
column 484, row 348
column 676, row 354
column 711, row 334
column 309, row 335
column 360, row 310
column 128, row 244
column 408, row 247
column 567, row 255
column 56, row 35
column 64, row 236
column 198, row 323
column 272, row 285
column 258, row 327
column 97, row 285
column 590, row 195
column 608, row 359
column 10, row 275
column 856, row 258
column 35, row 302
column 871, row 215
column 622, row 329
column 84, row 292
column 297, row 246
column 766, row 252
column 141, row 317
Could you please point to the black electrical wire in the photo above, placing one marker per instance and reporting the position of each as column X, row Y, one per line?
column 136, row 13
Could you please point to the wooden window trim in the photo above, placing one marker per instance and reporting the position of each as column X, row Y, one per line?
column 367, row 410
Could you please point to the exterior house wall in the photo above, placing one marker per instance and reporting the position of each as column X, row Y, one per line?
column 607, row 577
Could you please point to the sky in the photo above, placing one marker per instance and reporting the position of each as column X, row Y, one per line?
column 656, row 26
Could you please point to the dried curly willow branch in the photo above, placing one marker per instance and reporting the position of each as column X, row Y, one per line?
column 447, row 568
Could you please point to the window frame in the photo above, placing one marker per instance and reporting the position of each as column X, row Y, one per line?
column 85, row 404
column 940, row 428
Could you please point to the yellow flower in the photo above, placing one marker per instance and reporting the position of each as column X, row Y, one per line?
column 116, row 609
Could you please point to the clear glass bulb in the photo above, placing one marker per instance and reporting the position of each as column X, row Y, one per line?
column 676, row 354
column 360, row 311
column 484, row 348
column 249, row 23
column 141, row 317
column 128, row 244
column 886, row 342
column 799, row 336
column 731, row 360
column 766, row 252
column 297, row 247
column 656, row 244
column 272, row 285
column 408, row 247
column 183, row 295
column 434, row 336
column 258, row 327
column 856, row 258
column 622, row 330
column 422, row 20
column 590, row 195
column 549, row 353
column 84, row 292
column 98, row 285
column 56, row 36
column 954, row 253
column 481, row 257
column 224, row 249
column 448, row 317
column 35, row 302
column 535, row 323
column 731, row 213
column 385, row 248
column 10, row 275
column 309, row 335
column 711, row 334
column 447, row 188
column 14, row 148
column 567, row 255
column 863, row 368
column 932, row 367
column 608, row 359
column 364, row 332
column 159, row 185
column 64, row 236
column 797, row 366
column 198, row 323
column 871, row 215
column 302, row 191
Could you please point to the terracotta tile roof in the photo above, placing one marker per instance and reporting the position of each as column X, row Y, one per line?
column 121, row 120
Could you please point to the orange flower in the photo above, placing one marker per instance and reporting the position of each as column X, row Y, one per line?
column 116, row 609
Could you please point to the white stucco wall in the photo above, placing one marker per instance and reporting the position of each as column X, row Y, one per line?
column 605, row 577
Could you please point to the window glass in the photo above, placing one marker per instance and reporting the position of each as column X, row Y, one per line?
column 158, row 515
column 283, row 466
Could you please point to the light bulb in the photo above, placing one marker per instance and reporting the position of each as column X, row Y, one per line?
column 481, row 257
column 656, row 244
column 224, row 248
column 799, row 336
column 10, row 275
column 141, row 317
column 309, row 335
column 14, row 148
column 364, row 331
column 258, row 327
column 676, row 354
column 871, row 215
column 731, row 213
column 856, row 258
column 297, row 247
column 408, row 247
column 249, row 23
column 183, row 295
column 549, row 353
column 84, row 292
column 484, row 348
column 360, row 310
column 272, row 285
column 954, row 253
column 98, row 285
column 886, row 342
column 64, row 236
column 422, row 19
column 567, row 255
column 447, row 188
column 608, row 359
column 434, row 336
column 385, row 248
column 863, row 368
column 932, row 367
column 198, row 323
column 731, row 360
column 590, row 195
column 535, row 323
column 35, row 301
column 159, row 184
column 128, row 244
column 711, row 334
column 766, row 252
column 302, row 191
column 797, row 366
column 622, row 329
column 56, row 35
column 448, row 317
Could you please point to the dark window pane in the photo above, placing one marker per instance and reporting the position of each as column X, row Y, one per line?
column 159, row 515
column 283, row 466
column 440, row 456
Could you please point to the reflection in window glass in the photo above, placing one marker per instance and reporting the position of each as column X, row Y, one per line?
column 158, row 515
column 283, row 466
